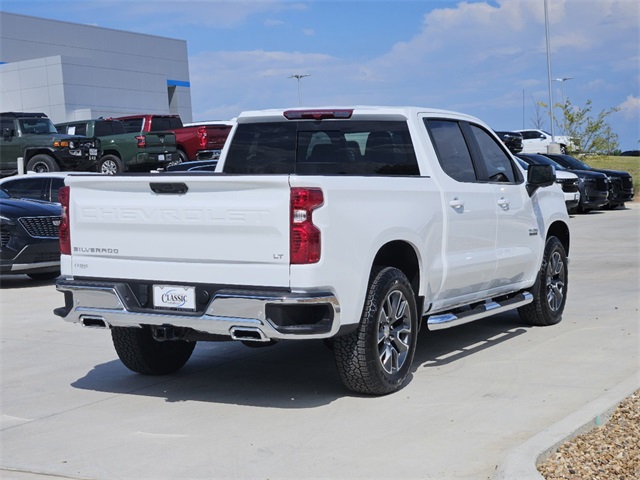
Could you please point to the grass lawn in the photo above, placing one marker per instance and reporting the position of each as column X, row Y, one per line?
column 627, row 164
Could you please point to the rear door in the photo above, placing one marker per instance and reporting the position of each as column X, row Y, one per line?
column 470, row 216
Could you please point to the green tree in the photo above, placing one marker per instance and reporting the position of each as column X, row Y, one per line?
column 538, row 117
column 588, row 133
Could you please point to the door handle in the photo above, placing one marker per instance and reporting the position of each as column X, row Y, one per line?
column 504, row 203
column 457, row 203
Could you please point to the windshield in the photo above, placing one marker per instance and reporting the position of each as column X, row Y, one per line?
column 4, row 194
column 37, row 126
column 572, row 162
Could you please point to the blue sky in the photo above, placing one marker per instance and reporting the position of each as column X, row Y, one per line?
column 485, row 58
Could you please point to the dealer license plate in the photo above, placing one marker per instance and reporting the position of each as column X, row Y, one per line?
column 174, row 297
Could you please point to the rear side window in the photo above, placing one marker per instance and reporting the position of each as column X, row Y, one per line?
column 108, row 128
column 323, row 148
column 133, row 125
column 452, row 150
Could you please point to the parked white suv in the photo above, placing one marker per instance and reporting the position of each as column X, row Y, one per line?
column 537, row 141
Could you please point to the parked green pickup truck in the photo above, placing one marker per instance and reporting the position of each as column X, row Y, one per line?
column 122, row 151
column 33, row 137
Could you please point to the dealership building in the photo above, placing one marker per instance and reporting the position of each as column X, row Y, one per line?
column 74, row 72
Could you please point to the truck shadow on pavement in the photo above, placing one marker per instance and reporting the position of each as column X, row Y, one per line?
column 289, row 375
column 442, row 347
column 12, row 281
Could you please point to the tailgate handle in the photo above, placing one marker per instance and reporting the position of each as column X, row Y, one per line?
column 168, row 188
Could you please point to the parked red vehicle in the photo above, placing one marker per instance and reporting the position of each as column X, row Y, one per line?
column 196, row 142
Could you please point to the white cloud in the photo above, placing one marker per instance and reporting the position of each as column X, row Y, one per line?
column 630, row 108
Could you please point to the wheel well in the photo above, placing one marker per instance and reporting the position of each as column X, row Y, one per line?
column 28, row 154
column 561, row 231
column 402, row 256
column 111, row 152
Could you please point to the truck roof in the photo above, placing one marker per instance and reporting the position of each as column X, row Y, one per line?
column 357, row 111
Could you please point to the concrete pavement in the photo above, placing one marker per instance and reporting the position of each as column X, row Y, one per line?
column 478, row 391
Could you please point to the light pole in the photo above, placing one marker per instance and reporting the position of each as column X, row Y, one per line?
column 562, row 80
column 299, row 77
column 546, row 31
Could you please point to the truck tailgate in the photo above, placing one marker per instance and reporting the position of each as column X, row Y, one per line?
column 231, row 230
column 157, row 142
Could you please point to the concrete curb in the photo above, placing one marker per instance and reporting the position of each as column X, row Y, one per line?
column 520, row 463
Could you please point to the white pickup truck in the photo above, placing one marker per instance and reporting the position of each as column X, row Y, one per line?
column 353, row 225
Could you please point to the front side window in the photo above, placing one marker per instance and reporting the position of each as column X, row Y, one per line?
column 452, row 150
column 499, row 167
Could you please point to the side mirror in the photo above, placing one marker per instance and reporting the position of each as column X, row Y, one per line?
column 539, row 176
column 6, row 133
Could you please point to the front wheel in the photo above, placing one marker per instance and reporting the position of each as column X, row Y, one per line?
column 140, row 352
column 550, row 290
column 42, row 163
column 376, row 358
column 110, row 165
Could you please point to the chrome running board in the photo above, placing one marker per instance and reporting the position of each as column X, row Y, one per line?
column 490, row 307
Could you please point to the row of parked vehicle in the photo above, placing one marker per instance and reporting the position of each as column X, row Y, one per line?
column 30, row 212
column 107, row 145
column 586, row 188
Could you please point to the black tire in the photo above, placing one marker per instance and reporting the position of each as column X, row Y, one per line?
column 178, row 157
column 44, row 275
column 110, row 165
column 376, row 358
column 550, row 290
column 42, row 163
column 140, row 352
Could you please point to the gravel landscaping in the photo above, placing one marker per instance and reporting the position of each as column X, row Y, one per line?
column 609, row 452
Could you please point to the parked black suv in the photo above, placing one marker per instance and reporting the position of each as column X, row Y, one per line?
column 33, row 137
column 593, row 186
column 620, row 183
column 512, row 140
column 29, row 237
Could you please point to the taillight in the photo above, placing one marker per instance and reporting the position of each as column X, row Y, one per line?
column 142, row 141
column 202, row 135
column 65, row 234
column 305, row 236
column 321, row 114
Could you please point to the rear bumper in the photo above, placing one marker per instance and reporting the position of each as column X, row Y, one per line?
column 258, row 315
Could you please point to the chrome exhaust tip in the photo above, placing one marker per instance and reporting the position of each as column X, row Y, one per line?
column 93, row 322
column 250, row 334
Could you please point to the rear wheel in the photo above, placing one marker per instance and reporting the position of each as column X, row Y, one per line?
column 140, row 352
column 376, row 358
column 550, row 290
column 110, row 165
column 42, row 163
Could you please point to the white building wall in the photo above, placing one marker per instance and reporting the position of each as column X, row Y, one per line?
column 72, row 71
